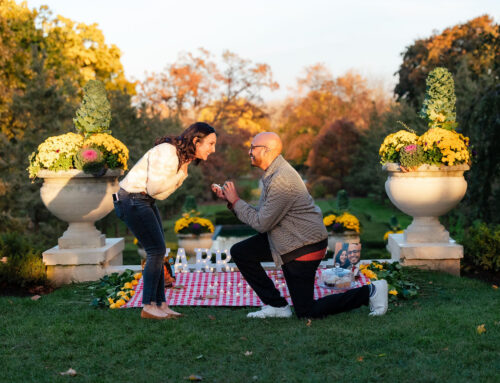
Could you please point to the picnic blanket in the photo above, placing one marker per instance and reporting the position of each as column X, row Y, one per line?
column 225, row 289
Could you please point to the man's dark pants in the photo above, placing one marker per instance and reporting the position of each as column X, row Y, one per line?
column 299, row 276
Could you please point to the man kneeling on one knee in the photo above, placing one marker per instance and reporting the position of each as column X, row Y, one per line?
column 292, row 234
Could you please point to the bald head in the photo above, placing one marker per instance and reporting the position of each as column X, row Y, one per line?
column 271, row 140
column 267, row 146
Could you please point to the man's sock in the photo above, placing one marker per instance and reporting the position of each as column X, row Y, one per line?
column 373, row 289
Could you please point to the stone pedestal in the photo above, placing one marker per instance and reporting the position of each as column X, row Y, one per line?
column 442, row 256
column 66, row 265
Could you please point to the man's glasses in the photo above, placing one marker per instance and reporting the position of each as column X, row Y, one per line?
column 252, row 147
column 353, row 252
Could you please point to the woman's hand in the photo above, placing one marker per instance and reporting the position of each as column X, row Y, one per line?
column 230, row 192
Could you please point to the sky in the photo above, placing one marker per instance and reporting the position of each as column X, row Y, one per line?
column 364, row 35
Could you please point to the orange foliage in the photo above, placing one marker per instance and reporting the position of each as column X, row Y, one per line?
column 327, row 100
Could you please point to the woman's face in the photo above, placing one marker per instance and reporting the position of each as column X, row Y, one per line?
column 205, row 147
column 343, row 256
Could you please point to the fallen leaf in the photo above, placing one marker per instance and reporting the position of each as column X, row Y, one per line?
column 70, row 372
column 445, row 349
column 497, row 323
column 481, row 329
column 494, row 286
column 248, row 353
column 243, row 338
column 309, row 323
column 430, row 282
column 10, row 302
column 199, row 356
column 195, row 378
column 211, row 317
column 359, row 359
column 381, row 355
column 35, row 297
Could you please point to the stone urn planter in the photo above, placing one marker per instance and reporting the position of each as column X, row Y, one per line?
column 349, row 236
column 189, row 242
column 80, row 199
column 425, row 194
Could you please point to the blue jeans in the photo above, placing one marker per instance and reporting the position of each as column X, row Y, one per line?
column 142, row 217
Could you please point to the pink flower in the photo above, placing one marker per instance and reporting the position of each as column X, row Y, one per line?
column 411, row 148
column 89, row 155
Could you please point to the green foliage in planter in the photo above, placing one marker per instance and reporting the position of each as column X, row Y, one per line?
column 439, row 103
column 482, row 247
column 342, row 201
column 24, row 267
column 94, row 115
column 412, row 156
column 189, row 204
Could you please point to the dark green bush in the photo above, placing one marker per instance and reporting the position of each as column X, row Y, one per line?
column 482, row 247
column 24, row 266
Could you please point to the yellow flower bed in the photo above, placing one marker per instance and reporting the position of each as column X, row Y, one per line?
column 341, row 223
column 452, row 145
column 189, row 224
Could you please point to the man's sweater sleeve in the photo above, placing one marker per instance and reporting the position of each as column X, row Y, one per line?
column 279, row 199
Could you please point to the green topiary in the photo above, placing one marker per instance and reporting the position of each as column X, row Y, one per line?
column 439, row 103
column 189, row 204
column 342, row 201
column 94, row 115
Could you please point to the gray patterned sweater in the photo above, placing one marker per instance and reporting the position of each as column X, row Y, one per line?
column 286, row 212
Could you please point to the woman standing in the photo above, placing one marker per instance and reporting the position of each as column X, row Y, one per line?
column 155, row 176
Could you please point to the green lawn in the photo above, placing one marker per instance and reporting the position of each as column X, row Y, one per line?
column 430, row 339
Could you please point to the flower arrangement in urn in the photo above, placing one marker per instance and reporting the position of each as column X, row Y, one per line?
column 340, row 220
column 192, row 223
column 193, row 232
column 441, row 145
column 341, row 223
column 92, row 148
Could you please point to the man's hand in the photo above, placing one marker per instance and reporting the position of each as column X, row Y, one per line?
column 217, row 189
column 230, row 192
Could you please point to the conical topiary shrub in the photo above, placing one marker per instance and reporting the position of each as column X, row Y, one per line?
column 94, row 115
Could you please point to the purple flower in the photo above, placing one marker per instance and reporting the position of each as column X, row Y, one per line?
column 196, row 226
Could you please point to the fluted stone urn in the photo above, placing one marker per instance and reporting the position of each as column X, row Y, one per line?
column 426, row 193
column 80, row 199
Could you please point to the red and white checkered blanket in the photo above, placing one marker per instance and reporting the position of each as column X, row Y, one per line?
column 225, row 289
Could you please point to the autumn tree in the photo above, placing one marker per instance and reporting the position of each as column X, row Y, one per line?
column 330, row 158
column 469, row 43
column 322, row 100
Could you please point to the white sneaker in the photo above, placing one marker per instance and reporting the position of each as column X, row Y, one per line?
column 271, row 312
column 378, row 303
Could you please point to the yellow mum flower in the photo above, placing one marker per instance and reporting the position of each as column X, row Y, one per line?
column 393, row 292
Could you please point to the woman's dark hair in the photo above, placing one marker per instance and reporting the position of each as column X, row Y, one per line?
column 185, row 142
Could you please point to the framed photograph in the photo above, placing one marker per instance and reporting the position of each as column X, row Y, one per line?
column 347, row 254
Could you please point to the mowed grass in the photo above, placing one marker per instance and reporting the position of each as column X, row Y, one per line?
column 432, row 338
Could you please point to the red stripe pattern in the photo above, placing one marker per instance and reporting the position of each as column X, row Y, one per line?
column 225, row 289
